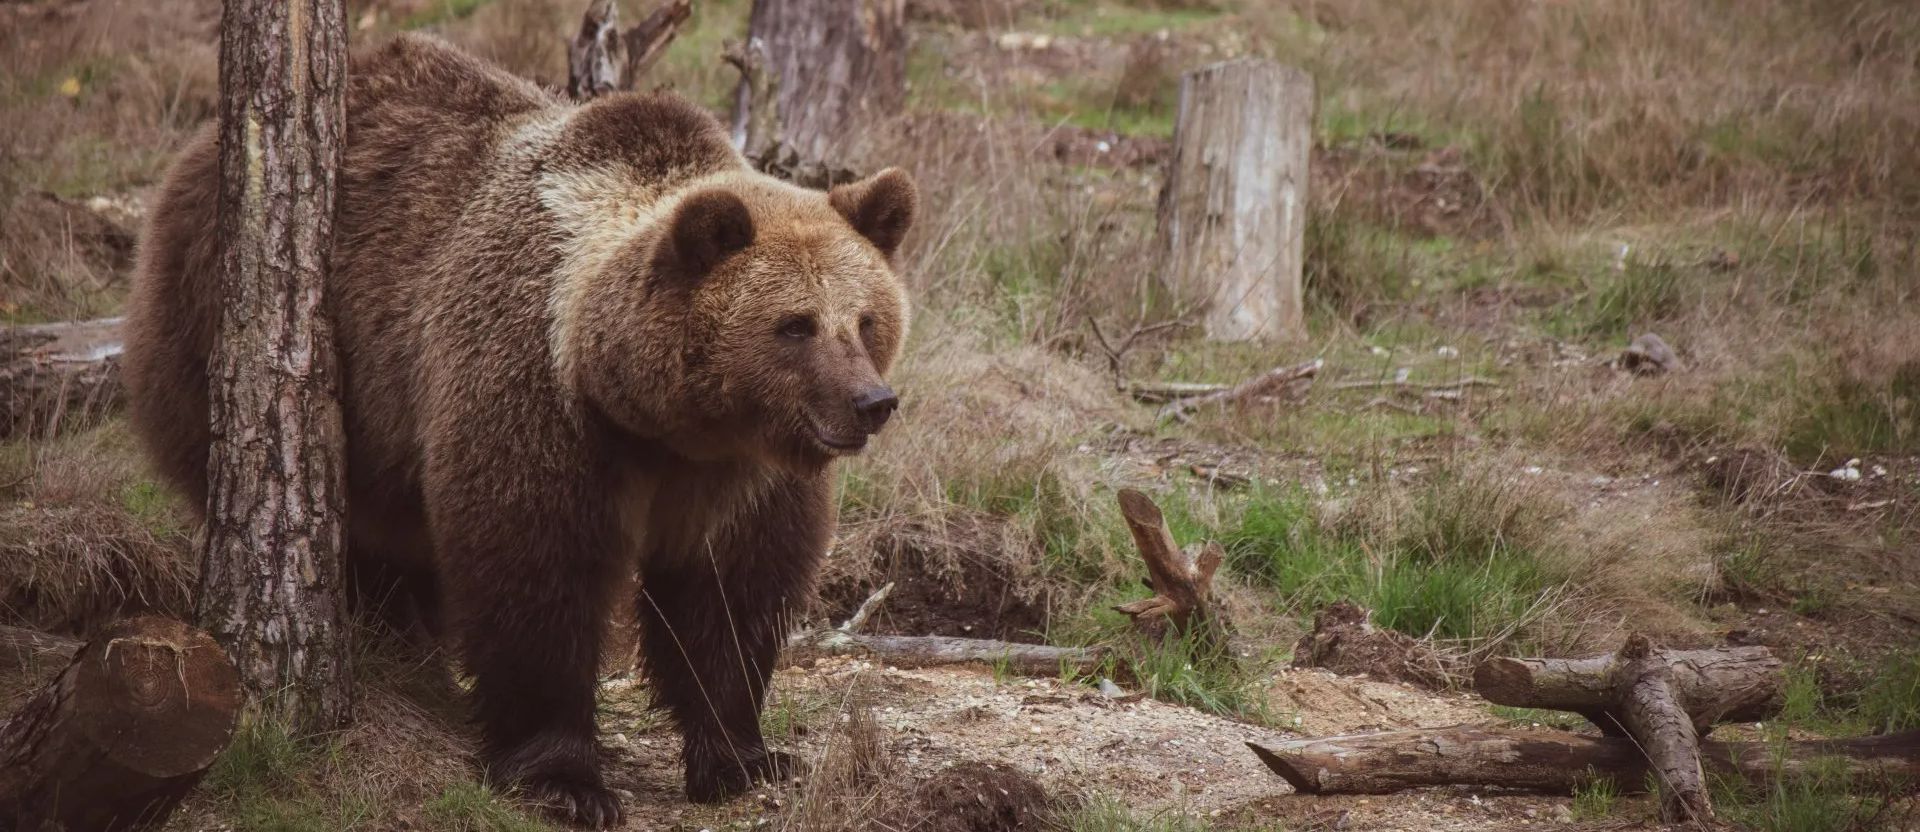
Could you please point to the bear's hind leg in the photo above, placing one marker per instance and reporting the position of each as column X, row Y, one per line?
column 527, row 566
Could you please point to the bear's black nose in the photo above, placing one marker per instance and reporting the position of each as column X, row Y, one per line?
column 875, row 406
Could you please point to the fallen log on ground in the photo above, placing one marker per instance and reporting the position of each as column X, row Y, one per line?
column 1557, row 762
column 1664, row 700
column 1729, row 684
column 54, row 374
column 932, row 651
column 1278, row 381
column 122, row 734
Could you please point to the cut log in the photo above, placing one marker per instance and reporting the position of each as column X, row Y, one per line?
column 1651, row 711
column 1180, row 581
column 1728, row 684
column 840, row 65
column 119, row 737
column 58, row 375
column 1233, row 211
column 1557, row 762
column 931, row 651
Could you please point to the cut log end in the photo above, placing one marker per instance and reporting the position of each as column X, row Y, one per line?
column 1300, row 780
column 117, row 739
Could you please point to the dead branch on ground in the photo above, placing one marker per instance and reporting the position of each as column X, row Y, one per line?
column 1279, row 381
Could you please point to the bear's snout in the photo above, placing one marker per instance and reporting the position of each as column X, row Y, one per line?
column 875, row 406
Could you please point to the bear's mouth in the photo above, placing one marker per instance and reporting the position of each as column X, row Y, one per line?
column 840, row 445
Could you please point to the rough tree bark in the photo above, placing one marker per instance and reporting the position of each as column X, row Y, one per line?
column 1233, row 211
column 1555, row 762
column 119, row 737
column 840, row 66
column 270, row 577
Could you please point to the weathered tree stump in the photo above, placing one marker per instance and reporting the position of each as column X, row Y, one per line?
column 1180, row 581
column 599, row 46
column 122, row 734
column 840, row 66
column 1233, row 210
column 59, row 374
column 1557, row 762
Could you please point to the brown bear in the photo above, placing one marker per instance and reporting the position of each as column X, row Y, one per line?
column 575, row 342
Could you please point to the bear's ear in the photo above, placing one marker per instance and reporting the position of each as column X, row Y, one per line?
column 880, row 207
column 707, row 227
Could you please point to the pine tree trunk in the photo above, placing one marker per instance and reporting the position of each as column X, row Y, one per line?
column 1233, row 212
column 841, row 65
column 270, row 580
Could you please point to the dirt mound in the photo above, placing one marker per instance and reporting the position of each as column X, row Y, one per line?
column 972, row 797
column 951, row 577
column 1345, row 641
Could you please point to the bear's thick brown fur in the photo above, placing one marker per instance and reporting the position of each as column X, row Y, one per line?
column 574, row 341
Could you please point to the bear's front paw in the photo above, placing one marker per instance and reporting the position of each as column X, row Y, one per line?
column 721, row 777
column 573, row 800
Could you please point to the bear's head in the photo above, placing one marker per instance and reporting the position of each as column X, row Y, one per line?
column 750, row 317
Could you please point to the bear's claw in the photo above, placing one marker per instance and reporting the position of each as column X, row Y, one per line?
column 590, row 805
column 721, row 781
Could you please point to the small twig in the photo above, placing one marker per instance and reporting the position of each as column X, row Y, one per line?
column 1116, row 356
column 867, row 608
column 1368, row 384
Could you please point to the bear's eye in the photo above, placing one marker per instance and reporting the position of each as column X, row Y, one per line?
column 866, row 324
column 797, row 327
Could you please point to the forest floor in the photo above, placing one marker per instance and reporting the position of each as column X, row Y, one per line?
column 1502, row 191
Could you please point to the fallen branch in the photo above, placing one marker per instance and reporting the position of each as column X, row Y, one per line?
column 859, row 617
column 932, row 651
column 122, row 734
column 1557, row 762
column 1273, row 382
column 1456, row 384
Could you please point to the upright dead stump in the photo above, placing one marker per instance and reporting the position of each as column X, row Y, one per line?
column 839, row 65
column 119, row 737
column 270, row 576
column 1233, row 211
column 1181, row 581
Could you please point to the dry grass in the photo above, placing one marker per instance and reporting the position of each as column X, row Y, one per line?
column 85, row 536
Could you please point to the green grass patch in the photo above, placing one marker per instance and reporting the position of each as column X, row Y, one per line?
column 1595, row 800
column 472, row 807
column 1102, row 813
column 268, row 781
column 1531, row 717
column 1891, row 701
